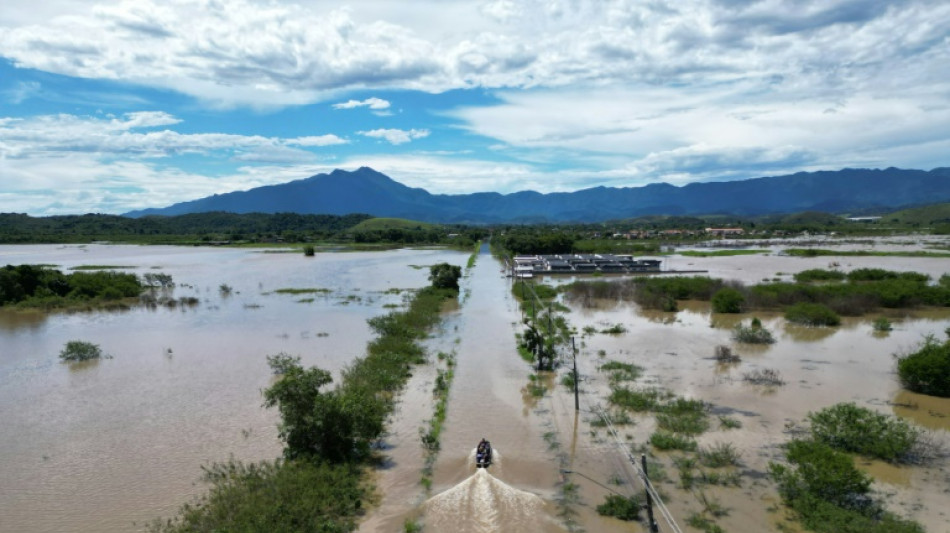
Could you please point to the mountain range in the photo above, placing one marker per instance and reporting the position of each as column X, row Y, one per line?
column 367, row 191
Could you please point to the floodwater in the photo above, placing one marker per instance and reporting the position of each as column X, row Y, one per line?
column 97, row 447
column 820, row 367
column 108, row 445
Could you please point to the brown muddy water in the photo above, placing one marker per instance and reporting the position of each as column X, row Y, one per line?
column 820, row 367
column 98, row 447
column 109, row 445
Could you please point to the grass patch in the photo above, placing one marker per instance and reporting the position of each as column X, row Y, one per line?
column 621, row 507
column 102, row 267
column 664, row 440
column 726, row 422
column 816, row 252
column 719, row 455
column 720, row 253
column 847, row 427
column 315, row 290
column 616, row 329
column 637, row 400
column 618, row 371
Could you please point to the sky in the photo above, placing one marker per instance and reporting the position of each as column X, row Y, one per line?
column 112, row 106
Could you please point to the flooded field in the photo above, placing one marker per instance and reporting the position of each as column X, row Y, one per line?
column 98, row 447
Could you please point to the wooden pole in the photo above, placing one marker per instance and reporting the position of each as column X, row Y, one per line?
column 654, row 528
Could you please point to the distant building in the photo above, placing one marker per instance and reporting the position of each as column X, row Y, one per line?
column 725, row 232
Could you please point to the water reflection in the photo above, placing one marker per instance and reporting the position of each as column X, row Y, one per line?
column 928, row 411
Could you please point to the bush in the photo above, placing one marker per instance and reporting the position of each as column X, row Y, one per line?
column 818, row 274
column 830, row 494
column 620, row 507
column 727, row 300
column 764, row 376
column 811, row 314
column 636, row 400
column 850, row 428
column 754, row 334
column 927, row 370
column 445, row 276
column 719, row 455
column 75, row 351
column 279, row 497
column 882, row 324
column 621, row 371
column 309, row 250
column 821, row 472
column 663, row 440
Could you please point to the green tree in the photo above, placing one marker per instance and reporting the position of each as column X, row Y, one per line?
column 927, row 370
column 445, row 276
column 336, row 425
column 727, row 300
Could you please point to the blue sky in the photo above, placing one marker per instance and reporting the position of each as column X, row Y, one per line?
column 110, row 106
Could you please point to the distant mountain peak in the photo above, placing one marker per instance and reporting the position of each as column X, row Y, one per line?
column 366, row 190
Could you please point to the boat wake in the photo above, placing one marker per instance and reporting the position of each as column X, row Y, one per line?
column 483, row 503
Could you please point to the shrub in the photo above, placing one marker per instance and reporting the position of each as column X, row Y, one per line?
column 830, row 494
column 663, row 440
column 754, row 334
column 724, row 354
column 850, row 428
column 764, row 376
column 278, row 497
column 636, row 400
column 822, row 472
column 309, row 250
column 811, row 314
column 620, row 507
column 727, row 300
column 687, row 417
column 75, row 351
column 818, row 274
column 927, row 370
column 621, row 371
column 719, row 455
column 445, row 276
column 882, row 324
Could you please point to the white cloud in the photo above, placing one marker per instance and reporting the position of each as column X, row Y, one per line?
column 396, row 136
column 44, row 135
column 310, row 51
column 317, row 140
column 372, row 103
column 56, row 164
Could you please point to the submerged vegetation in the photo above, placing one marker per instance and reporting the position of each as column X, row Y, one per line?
column 856, row 293
column 76, row 351
column 328, row 433
column 47, row 288
column 822, row 485
column 927, row 370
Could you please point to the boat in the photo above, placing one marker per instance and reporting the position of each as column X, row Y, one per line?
column 483, row 454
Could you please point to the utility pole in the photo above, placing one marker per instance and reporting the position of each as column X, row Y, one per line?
column 577, row 401
column 654, row 528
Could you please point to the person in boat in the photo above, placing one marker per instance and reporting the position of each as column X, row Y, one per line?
column 483, row 452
